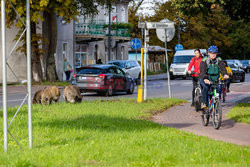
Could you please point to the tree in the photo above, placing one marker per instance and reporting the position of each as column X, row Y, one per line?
column 46, row 11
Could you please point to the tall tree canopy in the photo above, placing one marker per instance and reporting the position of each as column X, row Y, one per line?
column 46, row 11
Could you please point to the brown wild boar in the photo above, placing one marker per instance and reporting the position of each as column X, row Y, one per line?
column 72, row 94
column 50, row 94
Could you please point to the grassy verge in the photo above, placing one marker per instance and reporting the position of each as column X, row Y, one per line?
column 111, row 133
column 240, row 113
column 59, row 83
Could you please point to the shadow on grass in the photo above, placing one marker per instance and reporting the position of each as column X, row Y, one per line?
column 100, row 122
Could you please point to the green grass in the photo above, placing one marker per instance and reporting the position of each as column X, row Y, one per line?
column 240, row 113
column 59, row 83
column 111, row 133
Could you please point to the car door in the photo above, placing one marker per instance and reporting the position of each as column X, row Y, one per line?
column 121, row 82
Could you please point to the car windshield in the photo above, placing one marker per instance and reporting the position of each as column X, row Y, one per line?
column 182, row 59
column 90, row 71
column 118, row 63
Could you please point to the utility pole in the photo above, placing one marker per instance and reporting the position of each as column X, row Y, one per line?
column 109, row 35
column 5, row 120
column 179, row 28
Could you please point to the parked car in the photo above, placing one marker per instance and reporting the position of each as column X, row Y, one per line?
column 129, row 66
column 182, row 58
column 246, row 65
column 238, row 73
column 103, row 79
column 237, row 62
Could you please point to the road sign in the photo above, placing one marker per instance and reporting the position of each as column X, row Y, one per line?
column 156, row 25
column 178, row 47
column 170, row 31
column 135, row 43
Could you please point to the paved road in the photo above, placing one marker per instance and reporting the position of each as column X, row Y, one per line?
column 156, row 88
column 184, row 117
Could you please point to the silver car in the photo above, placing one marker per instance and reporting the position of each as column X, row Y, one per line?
column 131, row 67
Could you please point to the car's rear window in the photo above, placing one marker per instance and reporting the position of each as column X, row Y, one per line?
column 90, row 71
column 117, row 63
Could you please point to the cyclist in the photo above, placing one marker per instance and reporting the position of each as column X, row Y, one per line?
column 227, row 81
column 210, row 69
column 196, row 60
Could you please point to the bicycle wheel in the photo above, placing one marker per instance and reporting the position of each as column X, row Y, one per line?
column 205, row 118
column 217, row 115
column 197, row 99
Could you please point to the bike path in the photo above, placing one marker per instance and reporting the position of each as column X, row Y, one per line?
column 184, row 117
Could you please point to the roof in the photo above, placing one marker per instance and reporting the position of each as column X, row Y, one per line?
column 189, row 52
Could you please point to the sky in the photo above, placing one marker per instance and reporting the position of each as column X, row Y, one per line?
column 147, row 7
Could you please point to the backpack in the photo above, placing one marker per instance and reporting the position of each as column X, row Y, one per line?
column 213, row 70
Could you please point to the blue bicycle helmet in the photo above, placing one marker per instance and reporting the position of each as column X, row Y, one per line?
column 213, row 49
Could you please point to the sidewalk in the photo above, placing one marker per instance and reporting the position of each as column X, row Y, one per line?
column 185, row 118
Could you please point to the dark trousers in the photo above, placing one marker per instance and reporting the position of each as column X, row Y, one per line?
column 228, row 81
column 195, row 81
column 67, row 73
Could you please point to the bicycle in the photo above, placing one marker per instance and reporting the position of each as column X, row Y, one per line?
column 197, row 94
column 214, row 109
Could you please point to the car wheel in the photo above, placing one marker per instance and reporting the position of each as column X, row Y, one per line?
column 131, row 88
column 109, row 91
column 138, row 82
column 243, row 78
column 172, row 77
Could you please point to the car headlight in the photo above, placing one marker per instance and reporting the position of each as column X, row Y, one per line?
column 171, row 69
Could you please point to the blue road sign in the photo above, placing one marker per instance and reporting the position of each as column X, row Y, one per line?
column 135, row 43
column 178, row 47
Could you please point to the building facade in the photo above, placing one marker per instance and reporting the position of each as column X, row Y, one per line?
column 85, row 41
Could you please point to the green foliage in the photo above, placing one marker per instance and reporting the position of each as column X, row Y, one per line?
column 111, row 133
column 240, row 113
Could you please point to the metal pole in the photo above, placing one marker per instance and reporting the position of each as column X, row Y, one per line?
column 136, row 50
column 166, row 51
column 5, row 120
column 28, row 44
column 179, row 28
column 109, row 35
column 145, row 66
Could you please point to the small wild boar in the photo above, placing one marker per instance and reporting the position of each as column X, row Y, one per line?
column 50, row 94
column 37, row 97
column 72, row 94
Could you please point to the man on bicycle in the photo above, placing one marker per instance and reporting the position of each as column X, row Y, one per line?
column 210, row 69
column 196, row 60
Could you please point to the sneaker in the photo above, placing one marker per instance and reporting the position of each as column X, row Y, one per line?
column 228, row 90
column 192, row 104
column 203, row 106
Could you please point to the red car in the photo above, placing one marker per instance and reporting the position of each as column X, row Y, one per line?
column 103, row 79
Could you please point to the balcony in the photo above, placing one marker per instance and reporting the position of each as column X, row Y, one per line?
column 99, row 30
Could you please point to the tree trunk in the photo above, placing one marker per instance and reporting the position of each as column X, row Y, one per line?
column 35, row 58
column 50, row 32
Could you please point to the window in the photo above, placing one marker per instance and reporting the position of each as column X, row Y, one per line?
column 90, row 71
column 182, row 59
column 80, row 55
column 65, row 50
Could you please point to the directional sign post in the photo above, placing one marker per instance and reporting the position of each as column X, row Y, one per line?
column 165, row 31
column 136, row 44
